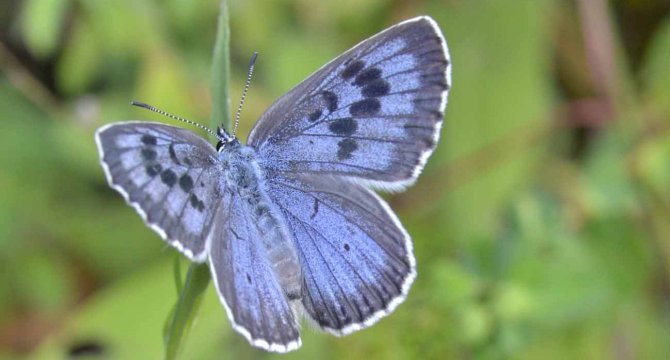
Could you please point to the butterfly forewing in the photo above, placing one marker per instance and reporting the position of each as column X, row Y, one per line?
column 357, row 259
column 373, row 113
column 169, row 175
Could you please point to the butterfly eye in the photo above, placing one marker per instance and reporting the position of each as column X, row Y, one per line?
column 219, row 145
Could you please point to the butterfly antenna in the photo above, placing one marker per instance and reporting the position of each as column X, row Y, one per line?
column 149, row 107
column 252, row 62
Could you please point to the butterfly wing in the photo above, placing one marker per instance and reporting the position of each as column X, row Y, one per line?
column 374, row 113
column 168, row 175
column 247, row 286
column 357, row 258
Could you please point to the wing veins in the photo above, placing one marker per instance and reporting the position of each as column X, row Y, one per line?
column 372, row 289
column 254, row 251
column 127, row 171
column 358, row 138
column 330, row 86
column 368, row 259
column 405, row 50
column 327, row 118
column 384, row 229
column 309, row 268
column 344, row 294
column 361, row 167
column 371, row 49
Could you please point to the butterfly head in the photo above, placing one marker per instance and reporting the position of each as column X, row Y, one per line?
column 224, row 138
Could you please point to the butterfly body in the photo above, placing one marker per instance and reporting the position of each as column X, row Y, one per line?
column 288, row 223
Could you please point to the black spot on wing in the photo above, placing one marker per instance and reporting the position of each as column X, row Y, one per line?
column 352, row 69
column 315, row 115
column 315, row 210
column 148, row 140
column 186, row 183
column 261, row 209
column 197, row 203
column 331, row 100
column 153, row 170
column 346, row 246
column 168, row 177
column 379, row 87
column 235, row 234
column 345, row 148
column 148, row 154
column 368, row 75
column 365, row 107
column 344, row 126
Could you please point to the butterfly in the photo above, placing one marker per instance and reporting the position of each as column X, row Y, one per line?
column 289, row 223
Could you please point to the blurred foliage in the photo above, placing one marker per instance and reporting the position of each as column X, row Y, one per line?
column 541, row 225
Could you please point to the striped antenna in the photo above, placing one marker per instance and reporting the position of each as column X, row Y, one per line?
column 149, row 107
column 252, row 62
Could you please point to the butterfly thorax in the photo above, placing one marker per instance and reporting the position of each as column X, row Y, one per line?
column 244, row 178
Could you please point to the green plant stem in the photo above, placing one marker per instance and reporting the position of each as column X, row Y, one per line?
column 194, row 286
column 198, row 276
column 176, row 272
column 221, row 72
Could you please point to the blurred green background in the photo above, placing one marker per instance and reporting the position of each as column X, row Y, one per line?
column 541, row 225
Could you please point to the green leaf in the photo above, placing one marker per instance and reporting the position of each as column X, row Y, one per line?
column 122, row 26
column 656, row 71
column 176, row 270
column 221, row 73
column 497, row 107
column 122, row 318
column 195, row 285
column 81, row 60
column 42, row 23
column 41, row 282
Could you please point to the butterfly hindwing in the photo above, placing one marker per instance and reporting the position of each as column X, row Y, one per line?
column 168, row 175
column 373, row 113
column 246, row 283
column 356, row 257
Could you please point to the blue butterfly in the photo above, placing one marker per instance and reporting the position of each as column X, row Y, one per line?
column 288, row 223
